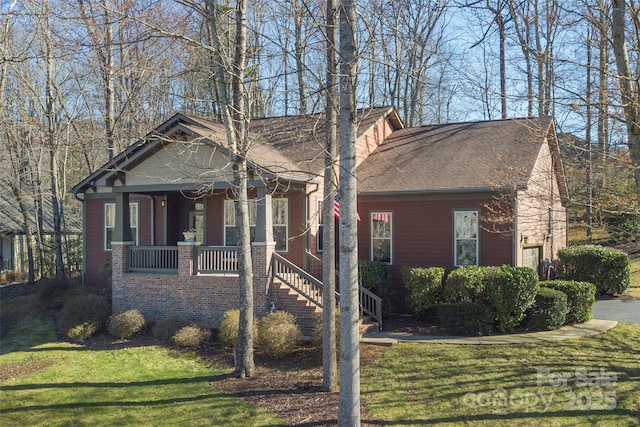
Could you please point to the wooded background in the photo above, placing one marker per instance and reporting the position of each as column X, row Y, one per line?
column 81, row 80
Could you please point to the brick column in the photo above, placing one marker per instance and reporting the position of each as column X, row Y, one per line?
column 186, row 258
column 118, row 270
column 261, row 254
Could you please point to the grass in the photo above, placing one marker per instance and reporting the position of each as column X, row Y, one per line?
column 498, row 384
column 57, row 383
column 634, row 287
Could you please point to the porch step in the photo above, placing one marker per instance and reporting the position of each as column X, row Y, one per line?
column 367, row 326
column 287, row 299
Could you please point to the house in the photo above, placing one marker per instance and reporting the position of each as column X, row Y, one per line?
column 13, row 236
column 479, row 193
column 425, row 198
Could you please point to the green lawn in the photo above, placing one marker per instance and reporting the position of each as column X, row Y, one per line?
column 498, row 384
column 634, row 288
column 58, row 383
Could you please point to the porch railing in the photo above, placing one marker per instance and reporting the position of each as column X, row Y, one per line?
column 309, row 286
column 298, row 279
column 216, row 259
column 371, row 305
column 152, row 259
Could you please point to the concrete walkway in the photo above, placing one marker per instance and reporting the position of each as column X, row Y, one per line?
column 606, row 315
column 592, row 327
column 622, row 310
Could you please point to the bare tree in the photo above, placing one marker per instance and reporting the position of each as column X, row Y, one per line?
column 329, row 362
column 627, row 81
column 233, row 114
column 349, row 401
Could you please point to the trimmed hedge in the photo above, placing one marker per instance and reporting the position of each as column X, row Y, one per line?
column 607, row 268
column 510, row 291
column 424, row 286
column 375, row 276
column 466, row 318
column 464, row 284
column 580, row 298
column 548, row 311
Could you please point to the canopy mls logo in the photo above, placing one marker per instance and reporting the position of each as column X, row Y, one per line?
column 578, row 390
column 579, row 378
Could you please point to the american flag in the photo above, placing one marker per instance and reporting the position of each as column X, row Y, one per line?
column 336, row 208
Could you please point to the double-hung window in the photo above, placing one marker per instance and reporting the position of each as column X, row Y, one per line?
column 466, row 231
column 110, row 222
column 382, row 236
column 280, row 219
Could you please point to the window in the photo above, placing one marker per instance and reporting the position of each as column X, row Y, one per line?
column 320, row 231
column 280, row 219
column 465, row 225
column 110, row 222
column 381, row 236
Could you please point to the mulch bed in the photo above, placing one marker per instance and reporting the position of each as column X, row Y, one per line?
column 292, row 388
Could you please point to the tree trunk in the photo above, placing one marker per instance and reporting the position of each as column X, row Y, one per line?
column 349, row 400
column 235, row 125
column 329, row 362
column 629, row 95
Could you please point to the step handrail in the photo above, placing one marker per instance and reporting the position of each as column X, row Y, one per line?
column 297, row 279
column 285, row 270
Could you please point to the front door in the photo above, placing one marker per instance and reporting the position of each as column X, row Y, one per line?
column 196, row 219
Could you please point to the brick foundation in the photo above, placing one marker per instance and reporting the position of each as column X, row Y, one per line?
column 194, row 298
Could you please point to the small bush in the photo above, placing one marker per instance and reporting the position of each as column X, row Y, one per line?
column 278, row 334
column 88, row 312
column 607, row 268
column 548, row 311
column 510, row 291
column 126, row 324
column 466, row 318
column 374, row 275
column 580, row 298
column 82, row 332
column 51, row 294
column 464, row 284
column 191, row 336
column 164, row 329
column 228, row 332
column 425, row 288
column 316, row 335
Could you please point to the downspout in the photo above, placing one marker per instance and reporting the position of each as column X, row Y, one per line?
column 84, row 235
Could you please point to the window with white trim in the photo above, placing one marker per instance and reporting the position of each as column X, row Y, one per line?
column 381, row 236
column 280, row 220
column 466, row 231
column 110, row 222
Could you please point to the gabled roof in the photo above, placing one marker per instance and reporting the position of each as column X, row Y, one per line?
column 457, row 157
column 290, row 147
column 11, row 217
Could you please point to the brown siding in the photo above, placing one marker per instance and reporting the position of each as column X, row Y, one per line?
column 423, row 234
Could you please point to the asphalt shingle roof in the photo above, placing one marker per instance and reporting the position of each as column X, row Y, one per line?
column 458, row 156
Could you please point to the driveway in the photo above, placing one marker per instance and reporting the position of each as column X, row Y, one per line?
column 617, row 309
